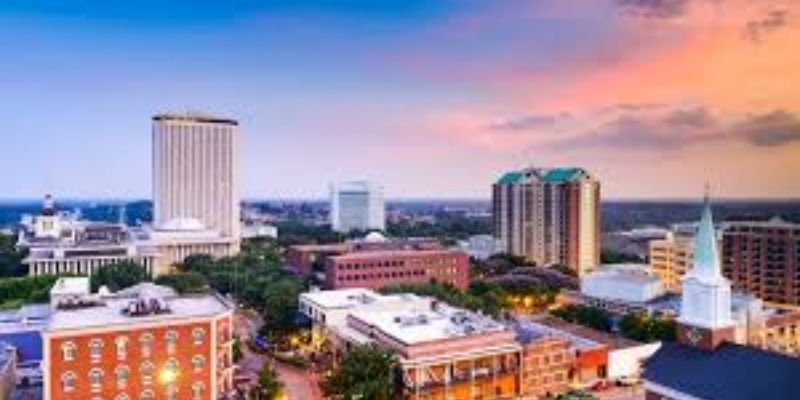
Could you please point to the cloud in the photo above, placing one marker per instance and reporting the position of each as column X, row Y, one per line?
column 757, row 29
column 772, row 129
column 530, row 122
column 681, row 127
column 656, row 9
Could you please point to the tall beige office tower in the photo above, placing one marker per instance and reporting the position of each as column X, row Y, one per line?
column 549, row 216
column 196, row 183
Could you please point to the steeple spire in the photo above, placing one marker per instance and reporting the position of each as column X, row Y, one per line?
column 706, row 254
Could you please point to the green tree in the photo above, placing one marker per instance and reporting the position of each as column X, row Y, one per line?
column 11, row 257
column 576, row 395
column 366, row 372
column 644, row 328
column 184, row 282
column 200, row 263
column 119, row 276
column 15, row 292
column 269, row 386
column 584, row 315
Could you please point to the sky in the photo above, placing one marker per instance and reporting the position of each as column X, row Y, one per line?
column 429, row 98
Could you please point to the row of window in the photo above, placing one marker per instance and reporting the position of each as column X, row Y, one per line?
column 387, row 275
column 69, row 379
column 198, row 389
column 398, row 263
column 69, row 350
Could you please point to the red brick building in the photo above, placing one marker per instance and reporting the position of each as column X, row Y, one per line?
column 763, row 258
column 303, row 259
column 376, row 269
column 140, row 344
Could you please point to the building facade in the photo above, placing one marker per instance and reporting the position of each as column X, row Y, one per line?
column 144, row 342
column 763, row 258
column 670, row 258
column 549, row 216
column 195, row 171
column 377, row 269
column 60, row 243
column 357, row 206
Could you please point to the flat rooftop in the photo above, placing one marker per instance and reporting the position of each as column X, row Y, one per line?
column 393, row 253
column 581, row 336
column 110, row 311
column 343, row 298
column 439, row 322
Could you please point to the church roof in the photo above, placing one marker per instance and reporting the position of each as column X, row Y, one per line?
column 731, row 372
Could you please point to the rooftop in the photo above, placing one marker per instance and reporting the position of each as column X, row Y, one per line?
column 194, row 117
column 392, row 253
column 438, row 322
column 731, row 372
column 553, row 175
column 342, row 298
column 125, row 308
column 582, row 336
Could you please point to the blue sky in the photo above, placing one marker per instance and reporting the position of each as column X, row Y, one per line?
column 414, row 94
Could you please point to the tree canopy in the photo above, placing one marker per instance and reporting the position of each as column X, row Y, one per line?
column 119, row 276
column 366, row 372
column 11, row 257
column 184, row 282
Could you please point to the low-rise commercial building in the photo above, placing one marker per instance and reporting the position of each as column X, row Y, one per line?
column 144, row 342
column 627, row 283
column 377, row 269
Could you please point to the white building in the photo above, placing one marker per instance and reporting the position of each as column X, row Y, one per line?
column 357, row 205
column 195, row 172
column 61, row 243
column 626, row 283
column 482, row 247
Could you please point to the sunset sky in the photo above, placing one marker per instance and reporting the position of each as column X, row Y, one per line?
column 430, row 98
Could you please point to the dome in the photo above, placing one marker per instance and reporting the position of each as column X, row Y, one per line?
column 183, row 225
column 375, row 237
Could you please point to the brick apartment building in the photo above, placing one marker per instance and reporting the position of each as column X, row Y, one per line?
column 376, row 269
column 763, row 259
column 143, row 343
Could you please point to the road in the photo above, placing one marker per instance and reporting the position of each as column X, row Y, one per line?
column 299, row 384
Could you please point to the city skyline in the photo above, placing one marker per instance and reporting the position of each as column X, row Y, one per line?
column 430, row 99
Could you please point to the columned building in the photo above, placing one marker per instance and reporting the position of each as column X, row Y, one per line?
column 549, row 216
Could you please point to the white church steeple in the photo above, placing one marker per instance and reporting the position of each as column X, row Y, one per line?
column 706, row 301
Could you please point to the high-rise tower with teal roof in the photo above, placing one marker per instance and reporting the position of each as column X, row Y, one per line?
column 549, row 216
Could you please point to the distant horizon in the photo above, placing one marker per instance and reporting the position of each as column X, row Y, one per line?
column 431, row 99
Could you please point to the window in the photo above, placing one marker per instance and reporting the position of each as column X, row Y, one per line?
column 68, row 351
column 172, row 392
column 122, row 396
column 122, row 372
column 199, row 336
column 197, row 363
column 96, row 349
column 146, row 344
column 68, row 381
column 96, row 378
column 147, row 395
column 197, row 390
column 122, row 347
column 146, row 369
column 172, row 340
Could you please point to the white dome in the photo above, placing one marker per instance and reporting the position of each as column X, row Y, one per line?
column 375, row 237
column 183, row 225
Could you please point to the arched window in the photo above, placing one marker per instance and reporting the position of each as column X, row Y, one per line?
column 68, row 351
column 146, row 344
column 68, row 381
column 172, row 340
column 96, row 378
column 147, row 395
column 96, row 349
column 146, row 369
column 122, row 347
column 198, row 362
column 122, row 372
column 122, row 396
column 171, row 365
column 197, row 390
column 198, row 336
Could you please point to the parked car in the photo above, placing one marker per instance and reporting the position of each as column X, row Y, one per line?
column 29, row 373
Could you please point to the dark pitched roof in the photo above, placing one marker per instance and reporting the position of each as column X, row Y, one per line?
column 732, row 372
